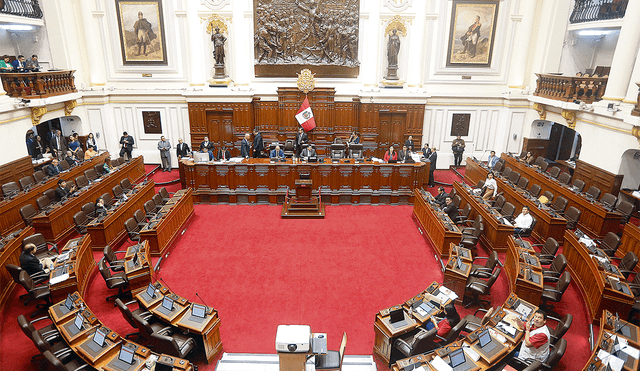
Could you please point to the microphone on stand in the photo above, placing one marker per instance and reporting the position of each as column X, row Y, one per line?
column 484, row 153
column 167, row 286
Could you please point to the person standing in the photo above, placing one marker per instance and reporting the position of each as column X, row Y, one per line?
column 126, row 144
column 182, row 149
column 409, row 142
column 91, row 142
column 492, row 160
column 301, row 139
column 58, row 144
column 258, row 144
column 458, row 148
column 245, row 146
column 433, row 158
column 165, row 153
column 426, row 151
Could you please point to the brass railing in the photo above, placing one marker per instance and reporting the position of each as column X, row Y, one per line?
column 570, row 88
column 597, row 10
column 22, row 8
column 34, row 85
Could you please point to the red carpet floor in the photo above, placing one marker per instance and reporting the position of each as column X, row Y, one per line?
column 259, row 271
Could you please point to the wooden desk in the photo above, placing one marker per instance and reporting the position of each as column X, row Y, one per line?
column 548, row 223
column 161, row 233
column 262, row 182
column 630, row 241
column 436, row 226
column 10, row 218
column 57, row 223
column 457, row 273
column 207, row 332
column 605, row 342
column 110, row 230
column 80, row 264
column 595, row 220
column 10, row 254
column 597, row 289
column 518, row 270
column 496, row 233
column 139, row 276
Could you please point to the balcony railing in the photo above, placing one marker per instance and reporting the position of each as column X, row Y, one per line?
column 35, row 85
column 570, row 88
column 22, row 8
column 597, row 10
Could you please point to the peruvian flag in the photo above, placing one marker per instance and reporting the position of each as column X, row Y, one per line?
column 305, row 116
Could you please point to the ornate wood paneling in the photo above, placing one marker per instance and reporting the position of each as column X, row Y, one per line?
column 205, row 119
column 595, row 176
column 14, row 170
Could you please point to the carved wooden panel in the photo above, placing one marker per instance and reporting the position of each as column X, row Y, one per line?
column 14, row 170
column 460, row 124
column 537, row 147
column 151, row 122
column 595, row 176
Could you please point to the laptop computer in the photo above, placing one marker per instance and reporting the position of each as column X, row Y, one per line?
column 98, row 340
column 486, row 341
column 458, row 361
column 67, row 306
column 167, row 305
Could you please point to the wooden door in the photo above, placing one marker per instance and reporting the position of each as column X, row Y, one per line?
column 220, row 128
column 392, row 128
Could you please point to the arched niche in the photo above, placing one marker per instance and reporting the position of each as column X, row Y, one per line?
column 66, row 124
column 630, row 168
column 553, row 141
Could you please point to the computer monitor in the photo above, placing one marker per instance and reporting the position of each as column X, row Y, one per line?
column 78, row 321
column 99, row 336
column 198, row 310
column 135, row 260
column 151, row 291
column 200, row 157
column 396, row 315
column 484, row 338
column 68, row 302
column 126, row 354
column 167, row 303
column 392, row 161
column 457, row 358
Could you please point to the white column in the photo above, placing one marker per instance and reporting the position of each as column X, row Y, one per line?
column 93, row 43
column 195, row 45
column 520, row 52
column 624, row 56
column 632, row 91
column 415, row 43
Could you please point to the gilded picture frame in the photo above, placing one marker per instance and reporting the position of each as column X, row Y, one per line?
column 141, row 29
column 472, row 33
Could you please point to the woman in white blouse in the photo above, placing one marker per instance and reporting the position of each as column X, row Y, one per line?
column 490, row 187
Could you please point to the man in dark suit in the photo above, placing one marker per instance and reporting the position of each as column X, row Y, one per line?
column 426, row 151
column 309, row 152
column 70, row 159
column 450, row 209
column 20, row 63
column 406, row 156
column 277, row 153
column 301, row 139
column 433, row 157
column 62, row 192
column 58, row 144
column 441, row 197
column 223, row 154
column 55, row 168
column 31, row 264
column 208, row 146
column 182, row 149
column 126, row 142
column 245, row 146
column 258, row 144
column 409, row 142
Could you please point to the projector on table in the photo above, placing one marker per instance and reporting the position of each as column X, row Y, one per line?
column 293, row 338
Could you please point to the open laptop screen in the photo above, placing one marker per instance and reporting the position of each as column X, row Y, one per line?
column 78, row 321
column 69, row 302
column 167, row 303
column 126, row 354
column 457, row 358
column 151, row 291
column 98, row 337
column 198, row 310
column 485, row 338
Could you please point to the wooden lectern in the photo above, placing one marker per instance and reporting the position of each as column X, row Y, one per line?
column 303, row 205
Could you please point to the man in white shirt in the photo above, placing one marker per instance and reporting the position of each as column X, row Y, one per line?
column 535, row 346
column 523, row 221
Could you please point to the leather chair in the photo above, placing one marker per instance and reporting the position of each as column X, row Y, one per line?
column 473, row 322
column 497, row 168
column 554, row 172
column 627, row 263
column 543, row 166
column 117, row 191
column 508, row 210
column 26, row 182
column 10, row 189
column 573, row 216
column 463, row 214
column 39, row 176
column 126, row 184
column 115, row 264
column 593, row 192
column 564, row 178
column 356, row 151
column 484, row 271
column 166, row 196
column 560, row 205
column 538, row 161
column 82, row 181
column 470, row 241
column 514, row 177
column 472, row 226
column 289, row 148
column 550, row 196
column 51, row 193
column 418, row 343
column 89, row 210
column 563, row 325
column 555, row 355
column 38, row 278
column 535, row 190
column 177, row 345
column 453, row 193
column 113, row 280
column 456, row 200
column 523, row 183
column 121, row 161
column 146, row 329
column 554, row 294
column 626, row 209
column 132, row 229
column 476, row 287
column 610, row 243
column 99, row 169
column 337, row 150
column 578, row 185
column 548, row 251
column 480, row 184
column 332, row 360
column 44, row 249
column 128, row 316
column 555, row 270
column 64, row 165
column 507, row 172
column 108, row 201
column 527, row 232
column 157, row 200
column 80, row 155
column 91, row 174
column 150, row 209
column 27, row 213
column 499, row 202
column 609, row 200
column 453, row 334
column 81, row 221
column 36, row 292
column 140, row 218
column 59, row 349
column 49, row 333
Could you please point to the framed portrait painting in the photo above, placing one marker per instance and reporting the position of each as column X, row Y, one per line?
column 472, row 33
column 142, row 38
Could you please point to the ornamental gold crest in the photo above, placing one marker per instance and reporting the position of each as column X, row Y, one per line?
column 306, row 81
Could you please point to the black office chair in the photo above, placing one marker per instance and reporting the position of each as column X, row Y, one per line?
column 555, row 270
column 43, row 202
column 499, row 202
column 332, row 360
column 81, row 222
column 578, row 185
column 548, row 251
column 10, row 189
column 554, row 172
column 473, row 322
column 38, row 278
column 82, row 181
column 289, row 148
column 118, row 192
column 140, row 218
column 470, row 241
column 356, row 151
column 113, row 280
column 177, row 345
column 128, row 316
column 166, row 196
column 610, row 243
column 456, row 200
column 72, row 364
column 126, row 184
column 99, row 169
column 507, row 172
column 26, row 182
column 538, row 161
column 514, row 177
column 91, row 174
column 554, row 294
column 535, row 190
column 64, row 165
column 609, row 200
column 543, row 166
column 627, row 263
column 562, row 326
column 573, row 216
column 27, row 213
column 564, row 178
column 555, row 355
column 39, row 176
column 41, row 292
column 150, row 209
column 508, row 210
column 523, row 183
column 337, row 151
column 549, row 196
column 418, row 343
column 60, row 349
column 132, row 229
column 115, row 264
column 49, row 333
column 472, row 225
column 497, row 168
column 477, row 287
column 484, row 271
column 51, row 193
column 593, row 192
column 108, row 201
column 89, row 210
column 157, row 200
column 463, row 214
column 44, row 249
column 560, row 205
column 626, row 209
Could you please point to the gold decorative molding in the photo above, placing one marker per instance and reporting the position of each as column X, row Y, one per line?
column 635, row 131
column 69, row 106
column 397, row 23
column 570, row 116
column 37, row 113
column 542, row 110
column 306, row 81
column 216, row 20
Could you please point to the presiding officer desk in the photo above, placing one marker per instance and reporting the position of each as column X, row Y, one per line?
column 549, row 223
column 205, row 330
column 435, row 224
column 105, row 357
column 56, row 223
column 10, row 218
column 264, row 182
column 596, row 220
column 10, row 250
column 615, row 335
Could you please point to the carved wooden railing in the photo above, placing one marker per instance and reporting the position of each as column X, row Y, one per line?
column 22, row 8
column 597, row 10
column 34, row 85
column 570, row 88
column 636, row 110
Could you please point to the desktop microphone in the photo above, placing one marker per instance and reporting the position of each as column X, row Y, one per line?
column 483, row 153
column 166, row 284
column 202, row 300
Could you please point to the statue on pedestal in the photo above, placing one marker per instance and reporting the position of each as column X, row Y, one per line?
column 393, row 48
column 218, row 40
column 217, row 28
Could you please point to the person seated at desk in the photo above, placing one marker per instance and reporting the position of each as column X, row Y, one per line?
column 406, row 157
column 107, row 165
column 390, row 155
column 451, row 209
column 535, row 346
column 71, row 160
column 90, row 153
column 31, row 264
column 223, row 154
column 55, row 168
column 451, row 318
column 523, row 221
column 441, row 197
column 62, row 192
column 276, row 153
column 308, row 152
column 182, row 149
column 33, row 64
column 354, row 138
column 490, row 187
column 100, row 208
column 528, row 159
column 5, row 64
column 20, row 63
column 492, row 160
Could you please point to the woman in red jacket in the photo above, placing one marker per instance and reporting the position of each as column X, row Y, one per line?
column 447, row 323
column 390, row 155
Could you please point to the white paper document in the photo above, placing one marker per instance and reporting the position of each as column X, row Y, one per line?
column 60, row 278
column 440, row 365
column 471, row 353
